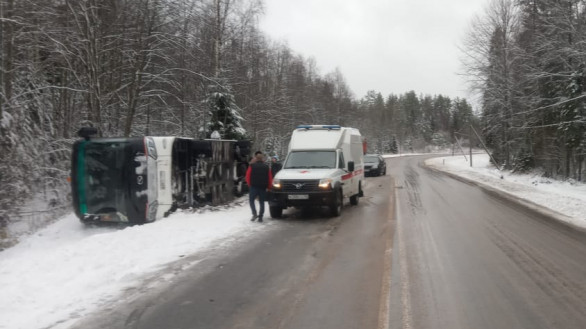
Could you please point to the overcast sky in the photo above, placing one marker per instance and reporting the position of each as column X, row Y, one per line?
column 391, row 46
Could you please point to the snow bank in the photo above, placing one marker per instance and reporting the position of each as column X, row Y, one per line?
column 66, row 270
column 386, row 156
column 567, row 198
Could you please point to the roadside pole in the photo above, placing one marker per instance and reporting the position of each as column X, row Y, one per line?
column 470, row 144
column 460, row 147
column 486, row 149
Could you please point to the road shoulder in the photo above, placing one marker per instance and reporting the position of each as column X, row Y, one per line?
column 504, row 195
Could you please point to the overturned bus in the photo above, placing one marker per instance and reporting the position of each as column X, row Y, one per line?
column 139, row 180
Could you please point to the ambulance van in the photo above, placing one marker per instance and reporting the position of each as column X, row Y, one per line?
column 324, row 166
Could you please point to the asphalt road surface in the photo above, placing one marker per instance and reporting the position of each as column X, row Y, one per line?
column 309, row 270
column 421, row 250
column 464, row 258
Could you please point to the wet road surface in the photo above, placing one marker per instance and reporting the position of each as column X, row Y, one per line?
column 309, row 271
column 422, row 250
column 464, row 258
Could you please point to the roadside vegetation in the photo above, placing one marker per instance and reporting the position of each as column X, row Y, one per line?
column 527, row 62
column 182, row 68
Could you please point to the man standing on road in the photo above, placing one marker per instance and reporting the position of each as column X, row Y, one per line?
column 259, row 180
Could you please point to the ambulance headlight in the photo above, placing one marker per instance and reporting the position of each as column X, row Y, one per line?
column 325, row 184
column 277, row 184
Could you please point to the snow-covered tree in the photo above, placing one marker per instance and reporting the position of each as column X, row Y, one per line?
column 224, row 114
column 527, row 61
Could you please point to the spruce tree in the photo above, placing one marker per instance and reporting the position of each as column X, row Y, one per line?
column 225, row 114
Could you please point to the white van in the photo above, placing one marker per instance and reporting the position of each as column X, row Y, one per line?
column 324, row 165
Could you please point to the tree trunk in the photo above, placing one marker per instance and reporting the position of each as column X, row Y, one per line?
column 568, row 172
column 218, row 41
column 7, row 39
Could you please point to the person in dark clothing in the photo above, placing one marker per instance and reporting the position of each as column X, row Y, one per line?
column 275, row 165
column 259, row 179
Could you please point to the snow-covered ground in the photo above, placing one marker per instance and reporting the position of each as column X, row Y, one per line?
column 66, row 270
column 567, row 199
column 400, row 155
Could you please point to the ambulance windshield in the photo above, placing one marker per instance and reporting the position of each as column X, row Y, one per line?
column 311, row 159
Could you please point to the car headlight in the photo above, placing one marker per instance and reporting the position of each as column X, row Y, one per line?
column 325, row 183
column 277, row 184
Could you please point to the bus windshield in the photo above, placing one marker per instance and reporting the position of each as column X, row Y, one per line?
column 105, row 180
column 111, row 177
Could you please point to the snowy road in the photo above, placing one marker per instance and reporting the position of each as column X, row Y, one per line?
column 465, row 258
column 311, row 271
column 64, row 272
column 422, row 250
column 446, row 255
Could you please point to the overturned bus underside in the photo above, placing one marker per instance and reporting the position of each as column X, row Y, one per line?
column 138, row 180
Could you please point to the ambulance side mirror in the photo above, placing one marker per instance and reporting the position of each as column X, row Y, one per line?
column 350, row 165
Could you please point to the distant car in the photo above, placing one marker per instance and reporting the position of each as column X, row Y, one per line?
column 374, row 165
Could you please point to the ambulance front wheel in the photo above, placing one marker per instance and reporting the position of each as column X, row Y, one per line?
column 337, row 203
column 276, row 211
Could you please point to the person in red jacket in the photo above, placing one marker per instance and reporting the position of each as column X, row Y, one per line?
column 259, row 179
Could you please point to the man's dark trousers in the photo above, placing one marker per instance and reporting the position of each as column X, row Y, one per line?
column 262, row 196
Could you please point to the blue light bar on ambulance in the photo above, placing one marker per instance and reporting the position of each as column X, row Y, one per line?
column 329, row 127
